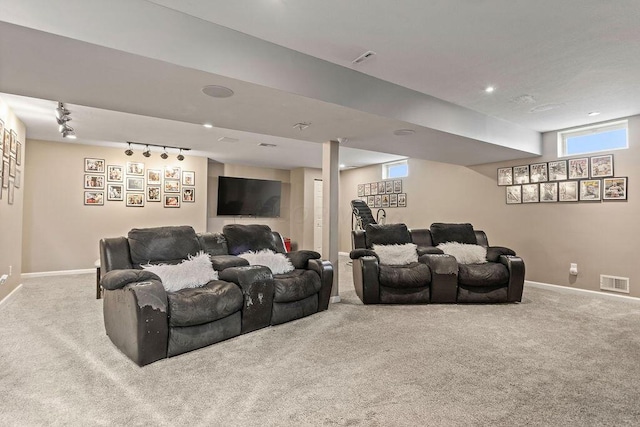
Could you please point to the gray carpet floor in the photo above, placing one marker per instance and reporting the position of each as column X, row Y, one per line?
column 556, row 359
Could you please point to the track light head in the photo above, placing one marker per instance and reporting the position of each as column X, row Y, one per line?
column 128, row 151
column 164, row 155
column 180, row 156
column 147, row 152
column 62, row 120
column 61, row 111
column 69, row 133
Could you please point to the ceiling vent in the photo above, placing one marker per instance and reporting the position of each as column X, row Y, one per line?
column 614, row 283
column 365, row 56
column 264, row 144
column 302, row 125
column 403, row 132
column 227, row 139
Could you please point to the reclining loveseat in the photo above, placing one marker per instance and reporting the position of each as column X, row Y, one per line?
column 225, row 296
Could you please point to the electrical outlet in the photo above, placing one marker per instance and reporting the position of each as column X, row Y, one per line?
column 3, row 279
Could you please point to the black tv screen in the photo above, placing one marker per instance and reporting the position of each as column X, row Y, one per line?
column 251, row 197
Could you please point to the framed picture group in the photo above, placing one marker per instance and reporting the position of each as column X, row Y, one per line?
column 383, row 194
column 571, row 180
column 10, row 162
column 136, row 185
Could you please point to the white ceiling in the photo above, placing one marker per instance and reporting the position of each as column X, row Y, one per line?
column 133, row 70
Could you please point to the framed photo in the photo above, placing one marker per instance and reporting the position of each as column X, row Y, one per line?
column 601, row 166
column 188, row 194
column 171, row 186
column 385, row 200
column 558, row 170
column 6, row 143
column 135, row 199
column 153, row 193
column 189, row 178
column 94, row 198
column 19, row 153
column 530, row 193
column 360, row 190
column 397, row 186
column 371, row 201
column 115, row 192
column 402, row 200
column 172, row 173
column 388, row 187
column 374, row 188
column 154, row 177
column 538, row 172
column 505, row 176
column 514, row 194
column 614, row 188
column 579, row 168
column 12, row 167
column 381, row 187
column 5, row 173
column 1, row 135
column 172, row 201
column 521, row 174
column 135, row 184
column 135, row 168
column 94, row 165
column 378, row 201
column 590, row 189
column 568, row 191
column 549, row 192
column 367, row 190
column 11, row 192
column 18, row 179
column 393, row 200
column 94, row 181
column 14, row 143
column 115, row 173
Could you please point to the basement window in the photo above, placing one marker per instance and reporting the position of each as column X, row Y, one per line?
column 593, row 139
column 395, row 170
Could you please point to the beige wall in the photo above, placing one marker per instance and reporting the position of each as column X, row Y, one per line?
column 61, row 233
column 11, row 215
column 599, row 237
column 302, row 206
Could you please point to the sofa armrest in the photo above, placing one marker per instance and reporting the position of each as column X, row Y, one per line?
column 222, row 262
column 515, row 265
column 494, row 253
column 325, row 270
column 365, row 279
column 359, row 253
column 423, row 250
column 444, row 277
column 257, row 285
column 116, row 279
column 299, row 259
column 135, row 318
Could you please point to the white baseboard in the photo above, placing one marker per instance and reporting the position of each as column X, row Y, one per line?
column 334, row 299
column 567, row 289
column 57, row 273
column 5, row 299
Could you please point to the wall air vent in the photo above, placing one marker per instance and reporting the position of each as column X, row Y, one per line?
column 614, row 283
column 367, row 55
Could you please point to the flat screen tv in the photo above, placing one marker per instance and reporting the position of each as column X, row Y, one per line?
column 250, row 197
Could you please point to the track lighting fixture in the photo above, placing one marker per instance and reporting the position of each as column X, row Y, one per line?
column 147, row 150
column 164, row 155
column 62, row 118
column 61, row 111
column 180, row 156
column 129, row 151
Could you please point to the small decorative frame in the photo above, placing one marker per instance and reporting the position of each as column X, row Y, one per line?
column 18, row 179
column 393, row 200
column 521, row 174
column 568, row 191
column 5, row 173
column 367, row 189
column 558, row 170
column 374, row 188
column 530, row 193
column 135, row 184
column 11, row 192
column 601, row 166
column 19, row 153
column 115, row 192
column 188, row 178
column 1, row 135
column 360, row 190
column 154, row 177
column 92, row 165
column 12, row 167
column 153, row 193
column 579, row 168
column 371, row 201
column 6, row 143
column 505, row 176
column 397, row 186
column 388, row 187
column 614, row 188
column 172, row 172
column 94, row 182
column 172, row 201
column 94, row 198
column 513, row 194
column 135, row 199
column 115, row 173
column 385, row 200
column 381, row 187
column 14, row 143
column 171, row 186
column 402, row 200
column 188, row 194
column 378, row 201
column 548, row 192
column 590, row 190
column 135, row 168
column 538, row 172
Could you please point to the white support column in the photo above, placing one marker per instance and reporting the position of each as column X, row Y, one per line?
column 330, row 190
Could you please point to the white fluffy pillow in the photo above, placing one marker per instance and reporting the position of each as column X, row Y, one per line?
column 465, row 253
column 397, row 254
column 277, row 263
column 192, row 273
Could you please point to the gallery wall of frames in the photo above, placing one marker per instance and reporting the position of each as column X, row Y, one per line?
column 10, row 162
column 383, row 194
column 134, row 185
column 584, row 179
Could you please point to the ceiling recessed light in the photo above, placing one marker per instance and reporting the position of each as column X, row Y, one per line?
column 342, row 165
column 593, row 113
column 208, row 125
column 403, row 132
column 217, row 91
column 489, row 89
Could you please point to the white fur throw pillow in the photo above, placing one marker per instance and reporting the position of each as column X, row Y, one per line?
column 465, row 253
column 397, row 254
column 277, row 263
column 192, row 273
